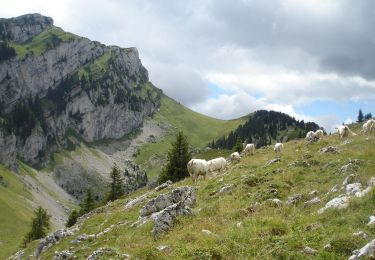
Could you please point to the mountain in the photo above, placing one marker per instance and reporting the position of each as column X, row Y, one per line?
column 260, row 208
column 265, row 127
column 56, row 82
column 70, row 109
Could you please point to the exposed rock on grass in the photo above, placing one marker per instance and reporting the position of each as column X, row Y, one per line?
column 339, row 203
column 310, row 251
column 164, row 185
column 311, row 202
column 270, row 162
column 329, row 149
column 293, row 200
column 368, row 252
column 66, row 254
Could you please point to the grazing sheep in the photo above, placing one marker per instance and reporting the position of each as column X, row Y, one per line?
column 319, row 133
column 235, row 157
column 217, row 164
column 310, row 136
column 278, row 147
column 197, row 167
column 249, row 149
column 344, row 131
column 369, row 126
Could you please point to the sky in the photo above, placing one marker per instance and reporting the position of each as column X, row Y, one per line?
column 312, row 59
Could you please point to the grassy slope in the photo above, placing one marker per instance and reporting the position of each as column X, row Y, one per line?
column 200, row 130
column 40, row 43
column 15, row 212
column 266, row 233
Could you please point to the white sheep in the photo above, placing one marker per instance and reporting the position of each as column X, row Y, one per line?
column 278, row 147
column 319, row 133
column 369, row 126
column 235, row 157
column 344, row 131
column 217, row 164
column 310, row 136
column 249, row 149
column 197, row 167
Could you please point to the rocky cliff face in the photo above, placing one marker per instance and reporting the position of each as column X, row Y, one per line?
column 21, row 29
column 58, row 82
column 58, row 89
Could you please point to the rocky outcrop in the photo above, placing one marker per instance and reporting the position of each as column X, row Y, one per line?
column 22, row 28
column 73, row 86
column 366, row 252
column 329, row 149
column 134, row 177
column 8, row 150
column 54, row 238
column 164, row 209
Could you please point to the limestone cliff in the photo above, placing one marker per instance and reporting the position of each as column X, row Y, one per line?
column 58, row 90
column 58, row 82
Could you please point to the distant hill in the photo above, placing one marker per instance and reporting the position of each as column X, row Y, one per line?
column 265, row 127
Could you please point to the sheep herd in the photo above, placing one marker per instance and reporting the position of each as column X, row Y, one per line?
column 197, row 167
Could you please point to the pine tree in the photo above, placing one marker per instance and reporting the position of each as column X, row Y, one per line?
column 178, row 157
column 88, row 202
column 368, row 116
column 39, row 226
column 360, row 116
column 238, row 146
column 72, row 218
column 116, row 185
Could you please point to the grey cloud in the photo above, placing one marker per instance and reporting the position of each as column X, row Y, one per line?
column 180, row 83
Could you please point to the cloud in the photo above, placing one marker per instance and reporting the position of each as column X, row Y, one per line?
column 283, row 54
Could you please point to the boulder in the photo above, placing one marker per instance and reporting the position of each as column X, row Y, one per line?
column 53, row 238
column 353, row 188
column 339, row 203
column 163, row 220
column 293, row 200
column 183, row 194
column 312, row 202
column 368, row 251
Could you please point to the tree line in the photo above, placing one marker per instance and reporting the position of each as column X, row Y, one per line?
column 263, row 127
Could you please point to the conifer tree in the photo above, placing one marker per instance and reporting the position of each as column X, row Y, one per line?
column 88, row 202
column 238, row 146
column 368, row 116
column 116, row 185
column 72, row 218
column 360, row 116
column 178, row 157
column 39, row 226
